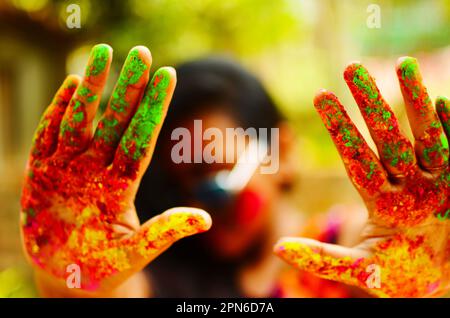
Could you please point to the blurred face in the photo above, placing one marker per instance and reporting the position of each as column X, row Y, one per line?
column 242, row 218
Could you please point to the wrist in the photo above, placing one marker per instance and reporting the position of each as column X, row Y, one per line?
column 136, row 286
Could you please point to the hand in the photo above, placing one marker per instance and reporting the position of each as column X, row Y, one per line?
column 77, row 201
column 406, row 239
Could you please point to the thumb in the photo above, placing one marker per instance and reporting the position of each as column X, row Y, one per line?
column 329, row 261
column 159, row 233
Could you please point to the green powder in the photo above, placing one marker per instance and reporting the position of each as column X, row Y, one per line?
column 65, row 127
column 440, row 103
column 444, row 141
column 436, row 124
column 76, row 105
column 148, row 116
column 439, row 147
column 92, row 98
column 444, row 216
column 71, row 84
column 443, row 109
column 78, row 117
column 372, row 170
column 409, row 68
column 108, row 132
column 86, row 92
column 337, row 114
column 349, row 139
column 393, row 153
column 99, row 58
column 386, row 114
column 362, row 81
column 132, row 71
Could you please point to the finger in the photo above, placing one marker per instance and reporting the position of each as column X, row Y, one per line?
column 46, row 136
column 160, row 232
column 329, row 261
column 430, row 140
column 136, row 146
column 122, row 105
column 443, row 110
column 362, row 165
column 76, row 126
column 395, row 150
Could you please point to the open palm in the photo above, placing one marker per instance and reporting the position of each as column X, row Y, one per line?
column 406, row 240
column 77, row 201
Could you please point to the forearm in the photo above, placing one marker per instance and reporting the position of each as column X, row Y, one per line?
column 137, row 286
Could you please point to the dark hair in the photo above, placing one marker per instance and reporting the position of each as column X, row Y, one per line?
column 202, row 84
column 219, row 82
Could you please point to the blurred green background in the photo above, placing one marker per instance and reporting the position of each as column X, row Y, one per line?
column 294, row 46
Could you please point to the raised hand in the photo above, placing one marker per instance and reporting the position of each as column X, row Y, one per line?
column 406, row 241
column 77, row 201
